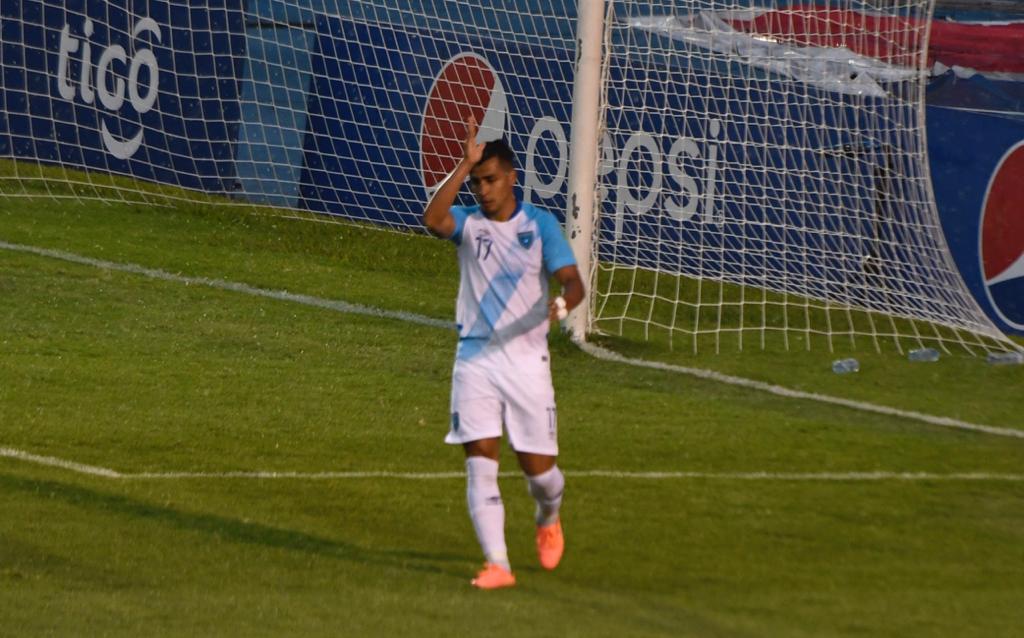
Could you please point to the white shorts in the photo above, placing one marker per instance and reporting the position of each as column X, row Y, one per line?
column 484, row 397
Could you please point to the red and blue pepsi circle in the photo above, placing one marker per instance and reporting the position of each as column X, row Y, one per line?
column 1001, row 238
column 466, row 86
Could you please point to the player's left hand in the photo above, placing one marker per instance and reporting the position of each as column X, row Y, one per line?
column 557, row 310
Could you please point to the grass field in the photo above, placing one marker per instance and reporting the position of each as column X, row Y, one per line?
column 124, row 371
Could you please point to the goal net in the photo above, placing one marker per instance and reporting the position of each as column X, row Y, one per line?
column 760, row 169
column 764, row 178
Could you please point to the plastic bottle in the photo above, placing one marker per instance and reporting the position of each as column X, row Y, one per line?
column 842, row 366
column 923, row 354
column 1006, row 358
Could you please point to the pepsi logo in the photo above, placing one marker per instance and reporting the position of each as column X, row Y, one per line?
column 1001, row 238
column 466, row 86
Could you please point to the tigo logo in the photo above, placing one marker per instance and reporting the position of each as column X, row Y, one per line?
column 1001, row 241
column 467, row 85
column 111, row 78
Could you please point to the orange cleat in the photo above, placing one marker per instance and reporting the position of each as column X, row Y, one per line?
column 550, row 545
column 493, row 577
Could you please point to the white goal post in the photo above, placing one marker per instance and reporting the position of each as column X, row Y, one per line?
column 580, row 210
column 733, row 173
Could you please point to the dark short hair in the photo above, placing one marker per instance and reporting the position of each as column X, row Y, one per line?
column 499, row 148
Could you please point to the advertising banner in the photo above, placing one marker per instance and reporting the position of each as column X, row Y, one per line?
column 145, row 88
column 977, row 163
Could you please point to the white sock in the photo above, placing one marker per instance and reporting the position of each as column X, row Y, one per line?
column 486, row 509
column 546, row 489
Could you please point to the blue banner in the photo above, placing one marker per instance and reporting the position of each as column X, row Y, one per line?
column 146, row 88
column 367, row 153
column 380, row 136
column 977, row 165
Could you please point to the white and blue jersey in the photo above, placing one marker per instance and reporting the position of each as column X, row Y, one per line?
column 502, row 308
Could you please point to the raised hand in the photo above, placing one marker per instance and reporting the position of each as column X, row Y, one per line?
column 472, row 150
column 437, row 216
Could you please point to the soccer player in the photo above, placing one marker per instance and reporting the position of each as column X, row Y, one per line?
column 507, row 251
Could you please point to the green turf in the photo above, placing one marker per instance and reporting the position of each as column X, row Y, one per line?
column 123, row 371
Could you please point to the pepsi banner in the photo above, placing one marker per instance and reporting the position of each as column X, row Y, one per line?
column 381, row 136
column 147, row 88
column 977, row 162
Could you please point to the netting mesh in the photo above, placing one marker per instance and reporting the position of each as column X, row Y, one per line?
column 762, row 168
column 764, row 174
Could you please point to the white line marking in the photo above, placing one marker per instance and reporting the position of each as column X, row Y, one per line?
column 281, row 295
column 93, row 470
column 804, row 476
column 591, row 349
column 608, row 355
column 53, row 461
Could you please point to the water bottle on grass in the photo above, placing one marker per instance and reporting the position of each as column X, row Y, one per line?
column 924, row 354
column 1006, row 358
column 842, row 366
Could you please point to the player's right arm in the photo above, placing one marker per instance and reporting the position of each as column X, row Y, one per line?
column 438, row 217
